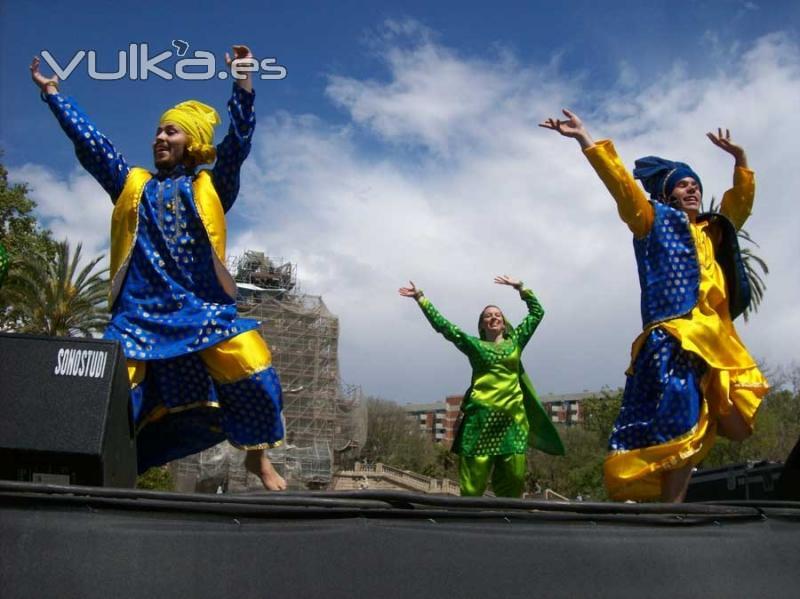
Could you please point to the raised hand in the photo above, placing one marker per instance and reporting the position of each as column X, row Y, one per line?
column 410, row 291
column 724, row 141
column 510, row 281
column 48, row 85
column 571, row 127
column 240, row 52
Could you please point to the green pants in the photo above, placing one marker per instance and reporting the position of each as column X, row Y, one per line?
column 507, row 471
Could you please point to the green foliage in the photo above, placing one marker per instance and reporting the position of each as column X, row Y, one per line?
column 21, row 235
column 444, row 464
column 3, row 264
column 777, row 429
column 580, row 470
column 600, row 412
column 156, row 479
column 56, row 296
column 394, row 440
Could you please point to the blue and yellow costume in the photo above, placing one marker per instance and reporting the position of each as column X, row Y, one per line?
column 502, row 416
column 198, row 373
column 688, row 366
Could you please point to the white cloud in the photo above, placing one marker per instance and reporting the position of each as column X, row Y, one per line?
column 75, row 207
column 442, row 176
column 488, row 192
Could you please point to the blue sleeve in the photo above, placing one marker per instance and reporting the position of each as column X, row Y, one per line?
column 94, row 150
column 232, row 151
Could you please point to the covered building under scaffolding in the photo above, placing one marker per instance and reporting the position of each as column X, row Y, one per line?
column 325, row 420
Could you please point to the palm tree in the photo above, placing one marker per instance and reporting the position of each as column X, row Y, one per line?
column 53, row 297
column 755, row 267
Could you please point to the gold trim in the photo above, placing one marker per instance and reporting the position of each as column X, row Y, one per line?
column 734, row 385
column 277, row 443
column 246, row 375
column 682, row 439
column 636, row 480
column 161, row 411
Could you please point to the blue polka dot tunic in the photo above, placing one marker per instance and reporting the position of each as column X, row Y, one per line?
column 171, row 304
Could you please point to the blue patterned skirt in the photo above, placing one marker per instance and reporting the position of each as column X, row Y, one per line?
column 180, row 410
column 662, row 398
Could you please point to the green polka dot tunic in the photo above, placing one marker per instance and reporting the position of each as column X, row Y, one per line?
column 500, row 405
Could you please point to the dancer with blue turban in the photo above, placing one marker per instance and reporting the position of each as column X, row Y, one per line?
column 690, row 376
column 199, row 374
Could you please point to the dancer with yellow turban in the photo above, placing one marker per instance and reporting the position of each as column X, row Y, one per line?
column 199, row 374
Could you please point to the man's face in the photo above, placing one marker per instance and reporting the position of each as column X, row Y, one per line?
column 169, row 146
column 687, row 196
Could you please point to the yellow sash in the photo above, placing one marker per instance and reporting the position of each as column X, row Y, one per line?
column 125, row 226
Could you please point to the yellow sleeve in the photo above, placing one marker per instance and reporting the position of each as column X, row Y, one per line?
column 633, row 207
column 737, row 203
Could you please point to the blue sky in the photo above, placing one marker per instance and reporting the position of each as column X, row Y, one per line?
column 316, row 39
column 404, row 136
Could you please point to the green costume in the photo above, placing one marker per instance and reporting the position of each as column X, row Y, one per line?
column 502, row 416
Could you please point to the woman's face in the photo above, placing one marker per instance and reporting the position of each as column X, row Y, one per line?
column 492, row 321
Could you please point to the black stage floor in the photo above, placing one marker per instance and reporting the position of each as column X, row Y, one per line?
column 93, row 542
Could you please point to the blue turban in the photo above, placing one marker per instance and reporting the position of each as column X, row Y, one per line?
column 659, row 176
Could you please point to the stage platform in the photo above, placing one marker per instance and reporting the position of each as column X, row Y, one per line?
column 99, row 543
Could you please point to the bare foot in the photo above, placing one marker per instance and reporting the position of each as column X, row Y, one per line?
column 258, row 463
column 675, row 483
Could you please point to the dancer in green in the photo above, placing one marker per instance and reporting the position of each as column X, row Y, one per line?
column 502, row 416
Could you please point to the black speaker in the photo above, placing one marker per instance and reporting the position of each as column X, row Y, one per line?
column 789, row 483
column 746, row 481
column 64, row 412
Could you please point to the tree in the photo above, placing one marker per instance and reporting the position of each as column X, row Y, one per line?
column 3, row 264
column 394, row 440
column 57, row 297
column 580, row 470
column 600, row 412
column 157, row 478
column 21, row 235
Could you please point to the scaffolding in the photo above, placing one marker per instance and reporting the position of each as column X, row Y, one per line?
column 325, row 420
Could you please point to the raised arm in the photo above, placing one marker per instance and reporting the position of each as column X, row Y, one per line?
column 234, row 148
column 524, row 330
column 439, row 323
column 632, row 205
column 94, row 150
column 737, row 203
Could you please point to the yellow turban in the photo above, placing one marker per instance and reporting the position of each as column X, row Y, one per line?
column 198, row 121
